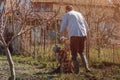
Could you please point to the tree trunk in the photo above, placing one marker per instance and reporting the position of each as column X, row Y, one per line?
column 9, row 58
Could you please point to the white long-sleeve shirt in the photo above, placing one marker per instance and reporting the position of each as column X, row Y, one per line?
column 75, row 23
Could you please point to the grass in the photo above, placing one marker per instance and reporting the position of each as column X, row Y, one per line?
column 106, row 55
column 28, row 68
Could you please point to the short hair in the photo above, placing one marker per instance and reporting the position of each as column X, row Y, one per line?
column 69, row 7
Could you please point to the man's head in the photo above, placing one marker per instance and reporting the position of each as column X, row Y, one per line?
column 69, row 8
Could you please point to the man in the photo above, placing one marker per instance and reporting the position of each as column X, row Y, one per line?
column 77, row 31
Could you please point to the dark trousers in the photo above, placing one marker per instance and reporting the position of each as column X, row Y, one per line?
column 77, row 46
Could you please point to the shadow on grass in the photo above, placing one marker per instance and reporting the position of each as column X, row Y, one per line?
column 103, row 65
column 48, row 75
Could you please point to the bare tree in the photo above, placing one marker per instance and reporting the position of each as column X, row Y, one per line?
column 21, row 16
column 3, row 24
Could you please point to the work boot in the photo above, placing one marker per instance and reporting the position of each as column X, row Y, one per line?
column 88, row 70
column 76, row 67
column 85, row 62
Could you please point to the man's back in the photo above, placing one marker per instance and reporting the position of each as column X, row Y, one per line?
column 75, row 22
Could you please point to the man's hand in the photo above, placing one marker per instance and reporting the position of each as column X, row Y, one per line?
column 62, row 39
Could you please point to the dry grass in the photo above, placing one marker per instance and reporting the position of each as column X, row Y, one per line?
column 28, row 68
